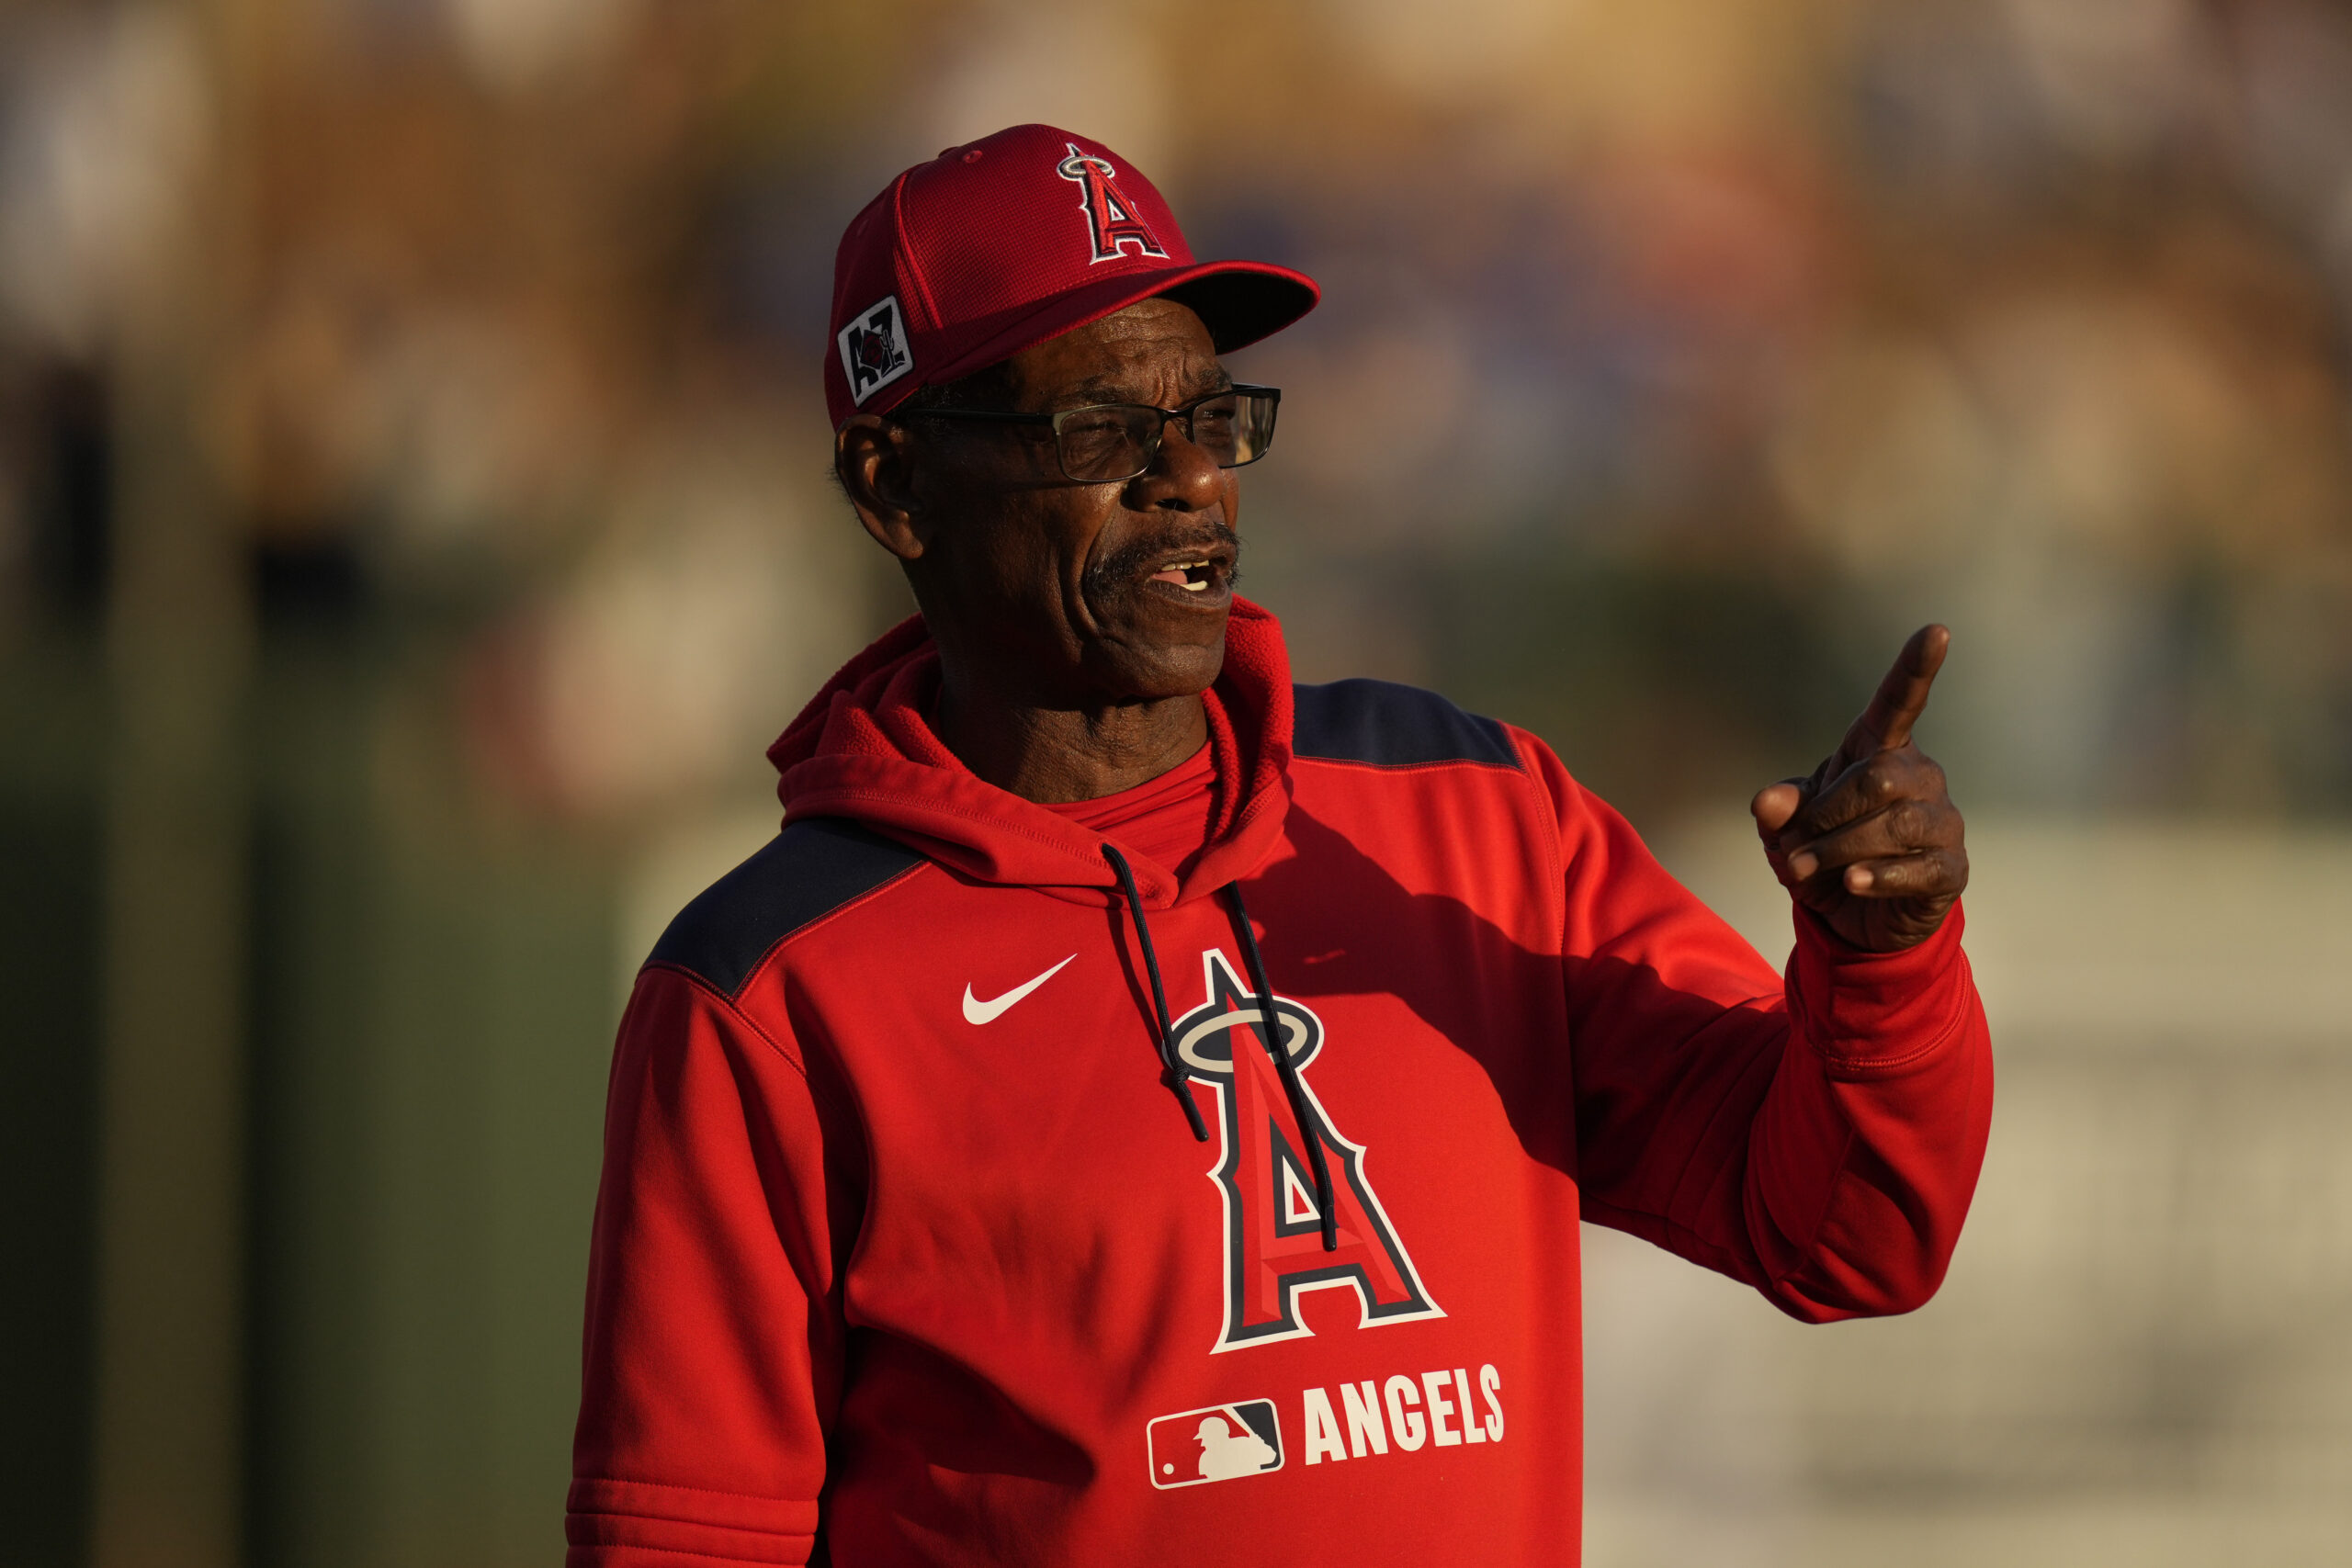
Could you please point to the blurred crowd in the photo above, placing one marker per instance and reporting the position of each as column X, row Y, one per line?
column 1655, row 341
column 1675, row 360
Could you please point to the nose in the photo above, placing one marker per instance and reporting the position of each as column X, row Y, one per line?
column 1182, row 478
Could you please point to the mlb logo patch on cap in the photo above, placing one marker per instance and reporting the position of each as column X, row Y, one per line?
column 1219, row 1442
column 874, row 349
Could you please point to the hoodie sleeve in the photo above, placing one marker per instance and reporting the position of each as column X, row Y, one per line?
column 714, row 1345
column 1818, row 1136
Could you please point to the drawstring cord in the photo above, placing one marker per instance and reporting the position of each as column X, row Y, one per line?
column 1293, row 1090
column 1169, row 1073
column 1271, row 1026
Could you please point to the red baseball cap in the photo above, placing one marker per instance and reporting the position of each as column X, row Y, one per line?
column 1005, row 242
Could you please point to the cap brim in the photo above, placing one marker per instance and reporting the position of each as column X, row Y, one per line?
column 1238, row 301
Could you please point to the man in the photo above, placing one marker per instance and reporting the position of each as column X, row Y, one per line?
column 1139, row 1110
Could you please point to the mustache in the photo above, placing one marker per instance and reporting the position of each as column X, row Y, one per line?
column 1128, row 562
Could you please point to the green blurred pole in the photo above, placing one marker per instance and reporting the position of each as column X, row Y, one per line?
column 168, row 1470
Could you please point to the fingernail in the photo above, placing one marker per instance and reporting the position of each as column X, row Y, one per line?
column 1803, row 863
column 1860, row 879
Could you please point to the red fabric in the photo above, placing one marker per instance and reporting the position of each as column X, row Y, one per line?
column 993, row 246
column 1169, row 820
column 941, row 1291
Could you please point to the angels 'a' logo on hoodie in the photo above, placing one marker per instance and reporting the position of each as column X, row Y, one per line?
column 1274, row 1233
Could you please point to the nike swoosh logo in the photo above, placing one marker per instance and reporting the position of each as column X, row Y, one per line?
column 978, row 1012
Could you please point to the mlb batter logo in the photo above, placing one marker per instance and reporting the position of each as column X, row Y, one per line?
column 1220, row 1442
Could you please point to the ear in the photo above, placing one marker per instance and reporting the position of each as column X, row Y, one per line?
column 873, row 459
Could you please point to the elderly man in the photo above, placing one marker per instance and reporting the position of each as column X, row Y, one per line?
column 1138, row 1110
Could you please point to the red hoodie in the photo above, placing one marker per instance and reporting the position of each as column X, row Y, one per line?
column 907, row 1251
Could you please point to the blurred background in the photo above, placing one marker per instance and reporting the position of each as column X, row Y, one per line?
column 414, row 522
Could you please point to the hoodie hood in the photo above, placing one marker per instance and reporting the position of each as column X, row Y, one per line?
column 864, row 749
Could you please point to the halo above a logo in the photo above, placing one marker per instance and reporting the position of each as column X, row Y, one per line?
column 1207, row 1036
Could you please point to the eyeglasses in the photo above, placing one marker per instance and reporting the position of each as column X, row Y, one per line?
column 1106, row 442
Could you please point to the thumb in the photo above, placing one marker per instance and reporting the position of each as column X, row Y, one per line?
column 1773, row 806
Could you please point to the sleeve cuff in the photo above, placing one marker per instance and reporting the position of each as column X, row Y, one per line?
column 1878, row 1012
column 643, row 1524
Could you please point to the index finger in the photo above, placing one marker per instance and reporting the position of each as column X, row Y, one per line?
column 1901, row 698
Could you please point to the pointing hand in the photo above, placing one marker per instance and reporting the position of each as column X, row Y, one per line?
column 1871, row 843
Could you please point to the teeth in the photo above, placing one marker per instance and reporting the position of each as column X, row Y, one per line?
column 1178, row 572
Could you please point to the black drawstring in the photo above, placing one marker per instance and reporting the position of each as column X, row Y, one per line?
column 1171, row 1074
column 1269, row 1021
column 1309, row 1128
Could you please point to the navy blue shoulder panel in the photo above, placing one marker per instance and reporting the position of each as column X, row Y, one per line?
column 804, row 873
column 1390, row 726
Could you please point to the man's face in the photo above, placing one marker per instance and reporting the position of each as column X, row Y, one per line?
column 1076, row 595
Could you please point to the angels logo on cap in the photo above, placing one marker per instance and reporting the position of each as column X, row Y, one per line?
column 874, row 349
column 1110, row 216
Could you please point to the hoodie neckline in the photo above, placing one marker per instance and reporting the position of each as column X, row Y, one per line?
column 864, row 749
column 1171, row 819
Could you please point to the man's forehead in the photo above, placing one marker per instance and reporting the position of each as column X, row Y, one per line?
column 1144, row 351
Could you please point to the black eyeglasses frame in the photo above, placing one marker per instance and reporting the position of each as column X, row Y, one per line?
column 1151, row 451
